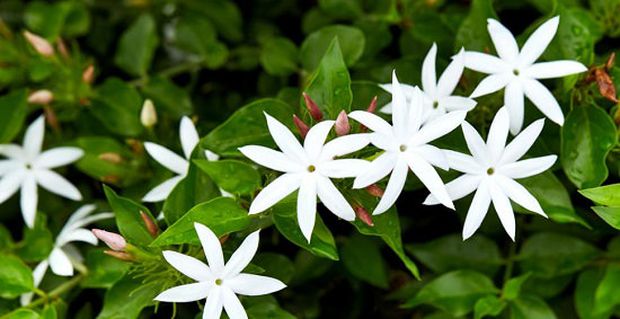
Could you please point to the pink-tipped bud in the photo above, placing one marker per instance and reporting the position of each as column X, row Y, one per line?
column 41, row 45
column 373, row 105
column 314, row 110
column 374, row 190
column 363, row 215
column 62, row 48
column 301, row 126
column 150, row 225
column 115, row 241
column 342, row 124
column 88, row 76
column 120, row 255
column 41, row 97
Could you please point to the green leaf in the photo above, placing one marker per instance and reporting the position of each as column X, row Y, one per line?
column 577, row 33
column 512, row 287
column 607, row 295
column 549, row 254
column 222, row 215
column 117, row 105
column 167, row 95
column 588, row 135
column 608, row 195
column 341, row 9
column 266, row 310
column 195, row 34
column 224, row 15
column 15, row 277
column 488, row 306
column 38, row 242
column 473, row 34
column 247, row 126
column 451, row 253
column 530, row 307
column 137, row 45
column 233, row 176
column 45, row 19
column 103, row 270
column 128, row 219
column 585, row 294
column 611, row 215
column 279, row 56
column 93, row 164
column 317, row 45
column 309, row 266
column 128, row 297
column 24, row 313
column 321, row 243
column 361, row 256
column 275, row 265
column 455, row 292
column 13, row 108
column 330, row 85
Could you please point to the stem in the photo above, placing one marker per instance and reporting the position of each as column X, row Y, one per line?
column 510, row 262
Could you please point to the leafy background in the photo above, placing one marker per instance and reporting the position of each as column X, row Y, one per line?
column 223, row 63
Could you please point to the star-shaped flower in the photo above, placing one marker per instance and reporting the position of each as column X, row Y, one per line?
column 405, row 145
column 307, row 168
column 517, row 71
column 438, row 98
column 64, row 255
column 219, row 283
column 491, row 171
column 26, row 166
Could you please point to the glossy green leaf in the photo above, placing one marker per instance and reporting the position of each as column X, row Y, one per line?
column 530, row 307
column 117, row 105
column 489, row 306
column 24, row 313
column 473, row 34
column 611, row 215
column 137, row 45
column 268, row 311
column 168, row 96
column 196, row 34
column 224, row 15
column 95, row 164
column 275, row 265
column 608, row 195
column 15, row 277
column 317, row 45
column 279, row 56
column 233, row 176
column 585, row 294
column 128, row 219
column 103, row 270
column 128, row 297
column 512, row 287
column 361, row 256
column 607, row 295
column 13, row 108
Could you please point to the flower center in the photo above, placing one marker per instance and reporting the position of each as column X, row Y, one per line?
column 28, row 166
column 490, row 171
column 311, row 168
column 435, row 104
column 515, row 72
column 218, row 282
column 403, row 147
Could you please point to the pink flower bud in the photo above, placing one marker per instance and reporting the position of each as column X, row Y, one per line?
column 120, row 255
column 41, row 45
column 113, row 240
column 373, row 105
column 150, row 225
column 314, row 110
column 342, row 124
column 89, row 74
column 363, row 215
column 301, row 126
column 41, row 97
column 374, row 190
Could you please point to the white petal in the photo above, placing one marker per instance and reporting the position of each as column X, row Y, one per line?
column 544, row 100
column 490, row 84
column 242, row 256
column 80, row 234
column 13, row 151
column 377, row 169
column 528, row 167
column 439, row 127
column 334, row 201
column 384, row 142
column 522, row 142
column 254, row 285
column 56, row 157
column 269, row 158
column 504, row 42
column 498, row 133
column 81, row 213
column 503, row 209
column 38, row 273
column 306, row 206
column 394, row 187
column 429, row 177
column 429, row 77
column 33, row 138
column 417, row 108
column 387, row 108
column 281, row 187
column 399, row 108
column 371, row 121
column 211, row 156
column 29, row 199
column 285, row 140
column 212, row 248
column 538, row 41
column 57, row 184
column 60, row 263
column 519, row 194
column 483, row 62
column 463, row 162
column 189, row 266
column 451, row 75
column 433, row 155
column 457, row 103
column 477, row 210
column 185, row 293
column 313, row 144
column 554, row 69
column 167, row 158
column 514, row 102
column 232, row 305
column 189, row 136
column 213, row 307
column 475, row 144
column 9, row 184
column 162, row 191
column 344, row 145
column 457, row 188
column 344, row 168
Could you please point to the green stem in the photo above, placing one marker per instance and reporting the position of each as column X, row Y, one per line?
column 510, row 262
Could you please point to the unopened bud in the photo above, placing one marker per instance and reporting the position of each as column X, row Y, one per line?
column 115, row 241
column 88, row 76
column 301, row 126
column 111, row 157
column 374, row 190
column 41, row 97
column 342, row 124
column 62, row 48
column 151, row 227
column 41, row 45
column 373, row 105
column 120, row 255
column 148, row 115
column 314, row 110
column 363, row 215
column 610, row 61
column 223, row 239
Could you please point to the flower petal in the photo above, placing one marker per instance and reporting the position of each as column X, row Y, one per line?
column 38, row 273
column 522, row 142
column 457, row 188
column 463, row 162
column 377, row 169
column 457, row 103
column 10, row 183
column 313, row 143
column 281, row 187
column 429, row 76
column 394, row 187
column 57, row 184
column 60, row 263
column 212, row 248
column 343, row 168
column 242, row 256
column 188, row 265
column 232, row 305
column 186, row 293
column 498, row 133
column 189, row 136
column 372, row 121
column 514, row 102
column 306, row 206
column 477, row 210
column 483, row 62
column 544, row 100
column 519, row 194
column 433, row 155
column 417, row 109
column 399, row 108
column 475, row 144
column 528, row 167
column 439, row 127
column 254, row 285
column 13, row 151
column 429, row 177
column 503, row 40
column 538, row 41
column 344, row 145
column 33, row 138
column 490, row 84
column 80, row 234
column 211, row 156
column 57, row 157
column 387, row 108
column 162, row 191
column 214, row 305
column 29, row 199
column 503, row 209
column 286, row 141
column 451, row 75
column 271, row 159
column 167, row 158
column 332, row 199
column 554, row 69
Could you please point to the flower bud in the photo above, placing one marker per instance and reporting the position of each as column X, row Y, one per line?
column 148, row 115
column 301, row 126
column 115, row 241
column 373, row 105
column 342, row 124
column 374, row 190
column 41, row 97
column 62, row 48
column 111, row 157
column 88, row 76
column 363, row 215
column 150, row 224
column 314, row 110
column 120, row 255
column 41, row 45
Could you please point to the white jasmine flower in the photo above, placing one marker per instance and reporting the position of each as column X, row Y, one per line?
column 219, row 283
column 438, row 98
column 307, row 168
column 517, row 71
column 406, row 145
column 491, row 171
column 64, row 255
column 26, row 167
